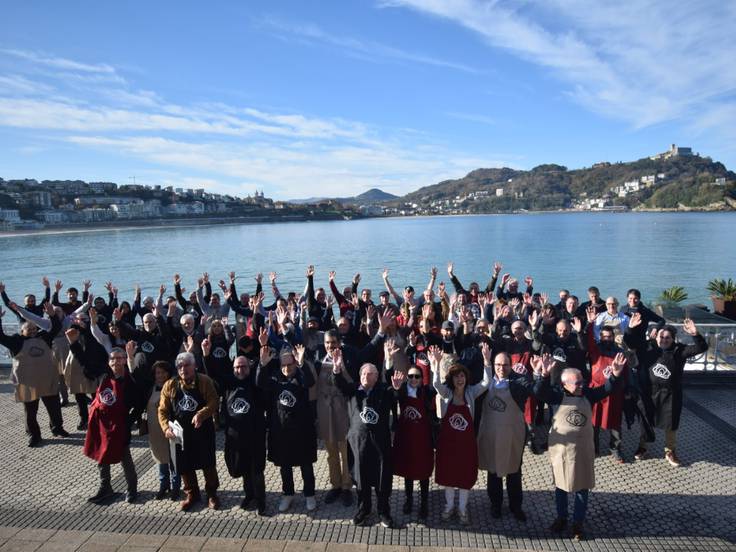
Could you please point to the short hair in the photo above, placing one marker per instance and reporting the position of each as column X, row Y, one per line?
column 184, row 358
column 570, row 371
column 332, row 334
column 670, row 329
column 72, row 289
column 164, row 365
column 366, row 366
column 565, row 291
column 186, row 317
column 455, row 369
column 117, row 351
column 593, row 288
column 635, row 291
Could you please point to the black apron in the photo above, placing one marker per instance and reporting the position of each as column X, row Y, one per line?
column 199, row 444
column 245, row 431
column 292, row 438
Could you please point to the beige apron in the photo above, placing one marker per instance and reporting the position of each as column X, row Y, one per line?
column 502, row 433
column 34, row 373
column 60, row 350
column 156, row 441
column 75, row 378
column 571, row 449
column 332, row 406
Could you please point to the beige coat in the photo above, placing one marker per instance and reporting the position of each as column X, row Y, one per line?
column 332, row 406
column 156, row 441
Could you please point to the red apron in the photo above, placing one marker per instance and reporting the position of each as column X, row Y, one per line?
column 107, row 433
column 520, row 363
column 608, row 412
column 457, row 449
column 412, row 452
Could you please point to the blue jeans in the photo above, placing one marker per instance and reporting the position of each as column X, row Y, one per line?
column 167, row 476
column 581, row 504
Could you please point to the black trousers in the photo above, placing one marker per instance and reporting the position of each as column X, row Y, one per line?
column 254, row 483
column 287, row 479
column 53, row 407
column 131, row 477
column 423, row 489
column 365, row 500
column 82, row 406
column 513, row 488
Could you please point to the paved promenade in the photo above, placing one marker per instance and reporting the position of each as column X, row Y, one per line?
column 645, row 505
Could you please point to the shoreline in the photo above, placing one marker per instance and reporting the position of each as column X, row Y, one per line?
column 155, row 224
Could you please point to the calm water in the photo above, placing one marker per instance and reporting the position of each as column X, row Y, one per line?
column 614, row 251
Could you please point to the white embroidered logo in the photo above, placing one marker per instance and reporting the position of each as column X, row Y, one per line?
column 287, row 398
column 576, row 418
column 458, row 423
column 560, row 355
column 240, row 406
column 519, row 368
column 497, row 404
column 219, row 352
column 187, row 403
column 368, row 415
column 107, row 397
column 661, row 371
column 412, row 413
column 607, row 371
column 147, row 347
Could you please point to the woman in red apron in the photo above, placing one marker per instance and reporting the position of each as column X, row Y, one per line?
column 457, row 449
column 412, row 453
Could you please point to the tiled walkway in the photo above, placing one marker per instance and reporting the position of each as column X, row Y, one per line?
column 638, row 506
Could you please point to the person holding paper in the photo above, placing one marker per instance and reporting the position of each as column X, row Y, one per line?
column 191, row 400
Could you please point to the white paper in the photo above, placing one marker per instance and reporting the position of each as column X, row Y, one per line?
column 177, row 440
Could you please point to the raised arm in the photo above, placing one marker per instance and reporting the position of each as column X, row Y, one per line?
column 700, row 345
column 455, row 282
column 390, row 288
column 491, row 286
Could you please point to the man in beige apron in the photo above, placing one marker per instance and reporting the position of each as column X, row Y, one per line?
column 571, row 447
column 502, row 435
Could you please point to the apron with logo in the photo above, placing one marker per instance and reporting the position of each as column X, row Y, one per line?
column 571, row 448
column 412, row 453
column 502, row 433
column 457, row 449
column 34, row 373
column 199, row 444
column 107, row 433
column 245, row 432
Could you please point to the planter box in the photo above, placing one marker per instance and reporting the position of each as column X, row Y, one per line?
column 724, row 308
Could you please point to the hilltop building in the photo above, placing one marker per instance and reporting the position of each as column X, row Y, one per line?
column 674, row 151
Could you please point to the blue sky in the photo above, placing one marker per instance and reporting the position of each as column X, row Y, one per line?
column 308, row 99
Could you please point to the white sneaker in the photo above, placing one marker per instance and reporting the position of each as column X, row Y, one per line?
column 447, row 513
column 285, row 502
column 311, row 504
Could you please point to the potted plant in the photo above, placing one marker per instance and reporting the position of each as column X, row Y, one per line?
column 723, row 294
column 668, row 303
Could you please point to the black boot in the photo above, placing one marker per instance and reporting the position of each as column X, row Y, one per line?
column 163, row 490
column 104, row 492
column 131, row 495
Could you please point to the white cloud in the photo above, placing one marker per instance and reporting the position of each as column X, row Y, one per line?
column 645, row 62
column 59, row 62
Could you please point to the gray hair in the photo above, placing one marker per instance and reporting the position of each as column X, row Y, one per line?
column 184, row 358
column 367, row 365
column 570, row 372
column 186, row 318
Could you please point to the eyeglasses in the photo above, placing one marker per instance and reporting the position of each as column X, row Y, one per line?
column 578, row 383
column 414, row 376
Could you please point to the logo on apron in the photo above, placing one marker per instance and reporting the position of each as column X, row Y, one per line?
column 458, row 422
column 287, row 398
column 661, row 371
column 559, row 355
column 576, row 418
column 607, row 371
column 411, row 413
column 147, row 347
column 187, row 403
column 369, row 416
column 35, row 352
column 107, row 397
column 240, row 406
column 497, row 404
column 519, row 368
column 101, row 319
column 219, row 352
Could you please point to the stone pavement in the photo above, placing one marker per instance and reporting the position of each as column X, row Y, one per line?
column 642, row 506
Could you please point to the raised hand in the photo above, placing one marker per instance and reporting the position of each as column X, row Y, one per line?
column 434, row 354
column 87, row 284
column 177, row 280
column 505, row 311
column 544, row 298
column 533, row 318
column 413, row 339
column 356, row 278
column 689, row 326
column 130, row 347
column 45, row 282
column 331, row 275
column 92, row 315
column 117, row 314
column 390, row 348
column 450, row 269
column 161, row 290
column 536, row 363
column 206, row 277
column 299, row 352
column 514, row 303
column 232, row 276
column 58, row 285
column 266, row 355
column 591, row 314
column 505, row 278
column 72, row 335
column 337, row 361
column 577, row 324
column 108, row 286
column 370, row 312
column 263, row 337
column 398, row 379
column 259, row 278
column 189, row 344
column 635, row 320
column 497, row 268
column 385, row 273
column 48, row 308
column 385, row 320
column 272, row 277
column 485, row 350
column 222, row 285
column 548, row 364
column 200, row 282
column 619, row 363
column 2, row 287
column 171, row 309
column 527, row 299
column 310, row 271
column 206, row 347
column 433, row 272
column 529, row 281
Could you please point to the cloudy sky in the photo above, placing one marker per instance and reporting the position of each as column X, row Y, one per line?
column 308, row 99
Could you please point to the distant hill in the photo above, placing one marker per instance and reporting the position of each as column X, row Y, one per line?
column 374, row 195
column 677, row 182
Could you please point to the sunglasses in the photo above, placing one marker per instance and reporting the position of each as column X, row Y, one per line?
column 414, row 376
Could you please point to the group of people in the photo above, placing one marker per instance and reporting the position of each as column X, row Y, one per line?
column 442, row 382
